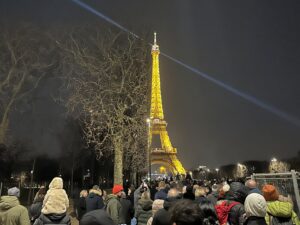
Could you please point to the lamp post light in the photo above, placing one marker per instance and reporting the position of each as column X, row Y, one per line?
column 149, row 147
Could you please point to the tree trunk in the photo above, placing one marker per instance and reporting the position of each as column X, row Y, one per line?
column 118, row 162
column 3, row 129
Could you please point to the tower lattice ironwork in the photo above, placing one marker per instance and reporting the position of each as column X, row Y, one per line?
column 166, row 154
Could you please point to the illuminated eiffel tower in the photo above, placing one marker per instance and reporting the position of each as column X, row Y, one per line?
column 166, row 154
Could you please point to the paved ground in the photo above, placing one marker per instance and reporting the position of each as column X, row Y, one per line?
column 70, row 212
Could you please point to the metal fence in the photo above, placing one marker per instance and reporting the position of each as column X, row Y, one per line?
column 287, row 183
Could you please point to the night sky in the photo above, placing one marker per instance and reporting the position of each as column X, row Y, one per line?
column 252, row 46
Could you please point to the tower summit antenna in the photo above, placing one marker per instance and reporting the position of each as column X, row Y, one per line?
column 154, row 38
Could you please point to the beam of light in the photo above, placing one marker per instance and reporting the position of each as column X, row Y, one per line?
column 290, row 118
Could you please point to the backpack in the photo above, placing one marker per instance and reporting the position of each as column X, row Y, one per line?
column 223, row 210
column 275, row 220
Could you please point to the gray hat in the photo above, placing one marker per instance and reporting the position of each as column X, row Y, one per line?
column 14, row 192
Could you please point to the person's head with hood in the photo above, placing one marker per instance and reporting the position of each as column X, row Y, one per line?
column 238, row 192
column 96, row 217
column 255, row 205
column 56, row 183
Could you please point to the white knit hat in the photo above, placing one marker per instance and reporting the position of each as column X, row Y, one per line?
column 255, row 205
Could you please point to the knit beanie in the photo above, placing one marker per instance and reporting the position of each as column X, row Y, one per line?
column 14, row 192
column 117, row 188
column 270, row 192
column 255, row 205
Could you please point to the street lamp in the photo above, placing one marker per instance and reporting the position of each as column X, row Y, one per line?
column 274, row 160
column 149, row 147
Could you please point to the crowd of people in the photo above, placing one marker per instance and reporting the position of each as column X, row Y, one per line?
column 158, row 203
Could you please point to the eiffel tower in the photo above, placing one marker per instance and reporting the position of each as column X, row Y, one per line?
column 166, row 154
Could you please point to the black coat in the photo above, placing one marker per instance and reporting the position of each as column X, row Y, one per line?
column 253, row 220
column 127, row 210
column 237, row 215
column 81, row 208
column 54, row 219
column 163, row 216
column 161, row 194
column 93, row 202
column 35, row 210
column 96, row 217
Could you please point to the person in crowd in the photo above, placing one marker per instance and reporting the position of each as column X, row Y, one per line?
column 200, row 195
column 144, row 209
column 96, row 217
column 256, row 209
column 37, row 205
column 157, row 204
column 163, row 216
column 278, row 210
column 161, row 193
column 94, row 199
column 55, row 205
column 130, row 195
column 213, row 195
column 127, row 208
column 231, row 209
column 138, row 193
column 113, row 205
column 208, row 213
column 185, row 212
column 189, row 193
column 252, row 186
column 11, row 212
column 81, row 206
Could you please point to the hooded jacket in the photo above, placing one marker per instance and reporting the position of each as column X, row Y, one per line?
column 62, row 219
column 114, row 209
column 144, row 211
column 12, row 213
column 281, row 209
column 56, row 200
column 94, row 201
column 96, row 217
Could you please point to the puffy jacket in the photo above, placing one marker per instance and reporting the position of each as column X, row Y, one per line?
column 281, row 209
column 12, row 213
column 94, row 201
column 54, row 219
column 144, row 211
column 56, row 200
column 96, row 217
column 114, row 209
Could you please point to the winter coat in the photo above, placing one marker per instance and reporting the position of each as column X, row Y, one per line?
column 11, row 212
column 253, row 220
column 213, row 197
column 35, row 210
column 114, row 209
column 161, row 194
column 144, row 211
column 238, row 192
column 237, row 215
column 281, row 209
column 96, row 217
column 200, row 200
column 62, row 219
column 56, row 200
column 163, row 216
column 254, row 190
column 94, row 201
column 127, row 210
column 81, row 207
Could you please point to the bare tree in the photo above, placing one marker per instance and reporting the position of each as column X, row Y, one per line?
column 25, row 59
column 108, row 76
